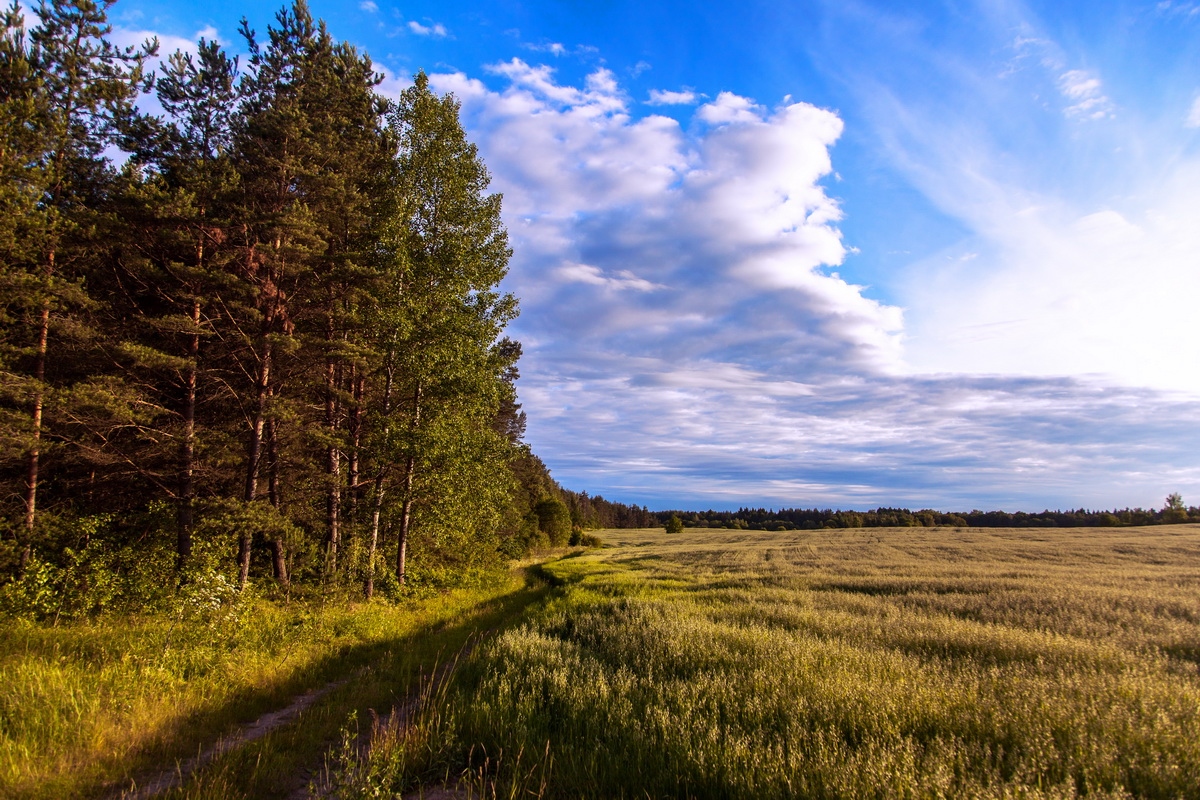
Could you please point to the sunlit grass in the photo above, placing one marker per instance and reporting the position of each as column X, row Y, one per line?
column 87, row 705
column 849, row 664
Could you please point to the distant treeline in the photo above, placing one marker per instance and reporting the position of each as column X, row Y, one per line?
column 785, row 519
column 595, row 512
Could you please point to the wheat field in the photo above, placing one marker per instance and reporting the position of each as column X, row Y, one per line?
column 872, row 663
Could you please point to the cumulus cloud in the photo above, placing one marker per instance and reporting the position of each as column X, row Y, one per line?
column 369, row 6
column 729, row 107
column 660, row 97
column 661, row 270
column 746, row 366
column 167, row 43
column 434, row 29
column 392, row 84
column 732, row 228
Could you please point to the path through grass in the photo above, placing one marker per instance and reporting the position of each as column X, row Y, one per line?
column 87, row 709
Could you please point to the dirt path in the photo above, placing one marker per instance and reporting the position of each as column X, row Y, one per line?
column 312, row 782
column 164, row 780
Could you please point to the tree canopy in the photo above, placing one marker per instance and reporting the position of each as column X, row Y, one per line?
column 270, row 336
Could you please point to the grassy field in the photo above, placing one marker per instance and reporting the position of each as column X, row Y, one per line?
column 876, row 663
column 87, row 706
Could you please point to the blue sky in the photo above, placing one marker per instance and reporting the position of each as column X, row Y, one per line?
column 836, row 254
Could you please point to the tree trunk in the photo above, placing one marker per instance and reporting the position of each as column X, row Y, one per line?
column 254, row 455
column 333, row 464
column 35, row 449
column 410, row 466
column 358, row 386
column 278, row 546
column 187, row 455
column 377, row 507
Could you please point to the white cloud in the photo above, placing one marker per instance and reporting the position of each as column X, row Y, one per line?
column 1082, row 90
column 660, row 97
column 536, row 85
column 730, row 228
column 1193, row 117
column 1085, row 236
column 1062, row 291
column 553, row 48
column 729, row 107
column 623, row 279
column 369, row 6
column 167, row 43
column 392, row 84
column 685, row 335
column 436, row 29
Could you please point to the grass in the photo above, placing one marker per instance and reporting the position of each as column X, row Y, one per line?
column 86, row 707
column 880, row 663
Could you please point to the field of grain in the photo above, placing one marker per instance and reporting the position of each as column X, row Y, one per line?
column 876, row 663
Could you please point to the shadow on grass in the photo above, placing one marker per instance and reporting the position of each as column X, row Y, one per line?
column 374, row 677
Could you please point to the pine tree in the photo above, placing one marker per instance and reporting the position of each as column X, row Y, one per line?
column 175, row 268
column 312, row 152
column 74, row 89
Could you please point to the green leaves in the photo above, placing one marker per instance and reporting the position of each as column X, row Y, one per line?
column 282, row 315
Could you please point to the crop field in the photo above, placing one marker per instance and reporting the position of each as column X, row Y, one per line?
column 871, row 663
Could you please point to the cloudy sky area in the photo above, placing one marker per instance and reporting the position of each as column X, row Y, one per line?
column 836, row 254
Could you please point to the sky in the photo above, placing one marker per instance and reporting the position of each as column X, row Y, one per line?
column 839, row 254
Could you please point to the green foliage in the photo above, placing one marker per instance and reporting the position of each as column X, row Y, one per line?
column 95, row 569
column 282, row 234
column 590, row 540
column 674, row 524
column 554, row 520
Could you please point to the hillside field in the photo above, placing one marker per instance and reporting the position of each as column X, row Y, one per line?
column 881, row 663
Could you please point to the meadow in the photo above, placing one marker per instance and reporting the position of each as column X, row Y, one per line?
column 91, row 708
column 880, row 663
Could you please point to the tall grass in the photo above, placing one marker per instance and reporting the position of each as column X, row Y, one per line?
column 907, row 663
column 87, row 705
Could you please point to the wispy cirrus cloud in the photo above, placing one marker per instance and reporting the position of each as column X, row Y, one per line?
column 1193, row 117
column 594, row 276
column 1075, row 229
column 1084, row 95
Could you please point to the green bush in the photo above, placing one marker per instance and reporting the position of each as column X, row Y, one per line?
column 554, row 520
